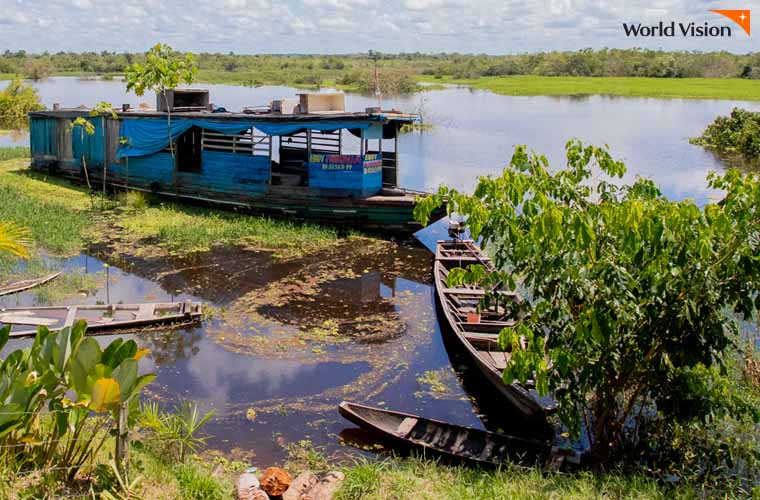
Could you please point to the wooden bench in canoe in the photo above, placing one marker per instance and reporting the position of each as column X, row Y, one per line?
column 449, row 440
column 24, row 285
column 480, row 337
column 101, row 319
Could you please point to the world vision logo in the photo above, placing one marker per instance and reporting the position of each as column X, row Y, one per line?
column 692, row 29
column 740, row 17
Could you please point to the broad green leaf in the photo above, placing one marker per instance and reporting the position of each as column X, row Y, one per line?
column 126, row 375
column 105, row 394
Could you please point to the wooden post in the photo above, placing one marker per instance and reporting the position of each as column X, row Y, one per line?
column 271, row 138
column 104, row 125
column 122, row 439
column 395, row 158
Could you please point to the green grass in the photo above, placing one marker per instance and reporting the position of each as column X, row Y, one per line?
column 419, row 479
column 195, row 483
column 55, row 214
column 184, row 230
column 686, row 88
column 12, row 153
column 60, row 217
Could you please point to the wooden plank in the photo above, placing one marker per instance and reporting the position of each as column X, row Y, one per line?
column 481, row 336
column 13, row 319
column 21, row 286
column 70, row 317
column 146, row 311
column 406, row 426
column 443, row 258
column 475, row 292
column 500, row 359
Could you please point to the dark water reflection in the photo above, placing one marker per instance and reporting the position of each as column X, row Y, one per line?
column 294, row 394
column 291, row 339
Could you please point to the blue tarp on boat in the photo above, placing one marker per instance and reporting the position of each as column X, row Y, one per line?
column 148, row 136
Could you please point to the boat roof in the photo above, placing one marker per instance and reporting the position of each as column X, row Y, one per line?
column 384, row 116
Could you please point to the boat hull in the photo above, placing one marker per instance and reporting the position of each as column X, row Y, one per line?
column 515, row 394
column 101, row 319
column 451, row 441
column 393, row 213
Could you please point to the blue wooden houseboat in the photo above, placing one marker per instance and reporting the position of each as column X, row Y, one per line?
column 287, row 159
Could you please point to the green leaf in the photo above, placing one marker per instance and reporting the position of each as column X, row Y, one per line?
column 126, row 375
column 143, row 381
column 105, row 394
column 5, row 333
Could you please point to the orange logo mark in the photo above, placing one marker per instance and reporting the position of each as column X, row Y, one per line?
column 740, row 17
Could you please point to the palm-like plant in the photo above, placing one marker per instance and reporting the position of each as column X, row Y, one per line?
column 14, row 240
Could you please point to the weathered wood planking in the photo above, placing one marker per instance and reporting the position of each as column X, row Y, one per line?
column 445, row 439
column 21, row 286
column 102, row 319
column 480, row 338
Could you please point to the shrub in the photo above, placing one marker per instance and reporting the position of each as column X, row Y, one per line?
column 738, row 133
column 16, row 100
column 179, row 432
column 630, row 291
column 50, row 391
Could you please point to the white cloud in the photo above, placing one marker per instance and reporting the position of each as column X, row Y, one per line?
column 340, row 26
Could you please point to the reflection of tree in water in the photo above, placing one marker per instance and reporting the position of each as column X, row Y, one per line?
column 168, row 347
column 219, row 276
column 339, row 296
column 352, row 306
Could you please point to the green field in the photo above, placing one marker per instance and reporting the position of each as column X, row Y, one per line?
column 683, row 88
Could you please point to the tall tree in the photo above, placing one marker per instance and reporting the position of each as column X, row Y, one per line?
column 632, row 295
column 163, row 69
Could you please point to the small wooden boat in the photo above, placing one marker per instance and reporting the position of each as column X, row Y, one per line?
column 24, row 285
column 448, row 440
column 101, row 319
column 478, row 329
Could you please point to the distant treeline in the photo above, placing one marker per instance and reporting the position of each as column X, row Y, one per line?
column 355, row 69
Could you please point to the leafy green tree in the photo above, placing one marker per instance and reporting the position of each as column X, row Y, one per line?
column 16, row 100
column 630, row 293
column 162, row 70
column 736, row 134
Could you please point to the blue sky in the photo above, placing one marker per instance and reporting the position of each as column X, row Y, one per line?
column 348, row 26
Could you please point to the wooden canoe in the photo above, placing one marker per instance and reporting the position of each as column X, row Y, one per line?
column 479, row 335
column 101, row 319
column 24, row 285
column 447, row 440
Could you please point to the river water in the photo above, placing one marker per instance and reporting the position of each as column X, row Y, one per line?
column 290, row 339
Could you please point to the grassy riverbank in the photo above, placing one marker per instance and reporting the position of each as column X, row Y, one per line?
column 419, row 479
column 353, row 75
column 63, row 218
column 685, row 88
